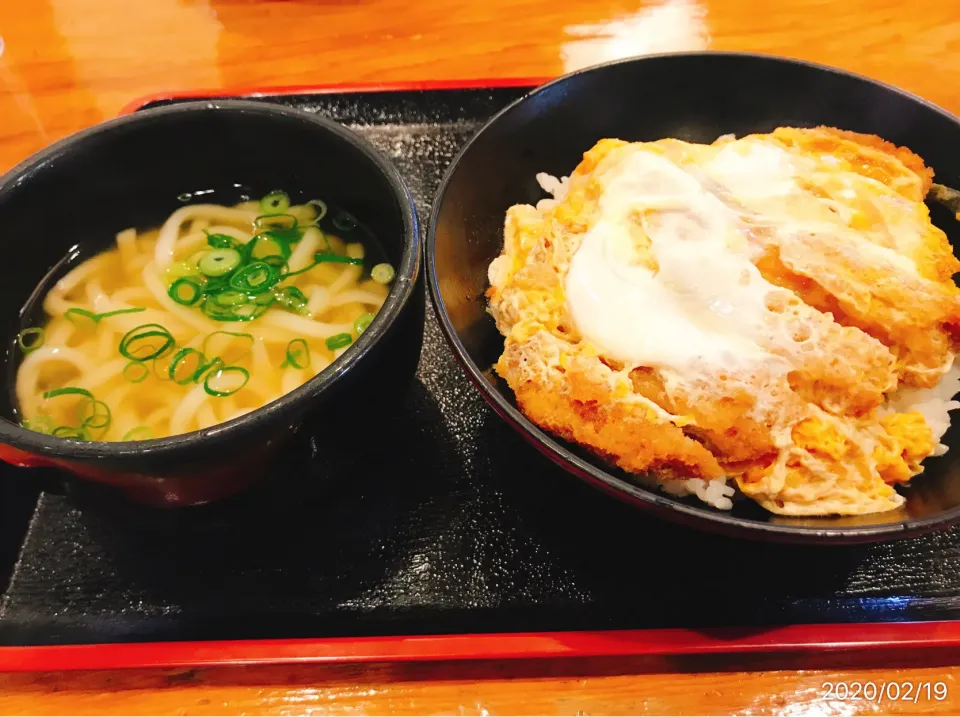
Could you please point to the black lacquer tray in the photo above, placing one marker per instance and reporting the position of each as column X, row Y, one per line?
column 441, row 536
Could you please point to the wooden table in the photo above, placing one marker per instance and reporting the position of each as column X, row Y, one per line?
column 66, row 64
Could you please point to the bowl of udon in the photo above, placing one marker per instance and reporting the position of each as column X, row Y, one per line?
column 189, row 286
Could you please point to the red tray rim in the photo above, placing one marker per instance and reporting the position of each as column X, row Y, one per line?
column 805, row 639
column 334, row 88
column 809, row 638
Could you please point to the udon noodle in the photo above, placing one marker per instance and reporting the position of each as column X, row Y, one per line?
column 216, row 313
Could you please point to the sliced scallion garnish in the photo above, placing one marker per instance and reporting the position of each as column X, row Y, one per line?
column 207, row 349
column 96, row 318
column 338, row 341
column 236, row 281
column 136, row 371
column 321, row 208
column 183, row 356
column 254, row 278
column 362, row 322
column 268, row 244
column 30, row 339
column 145, row 342
column 222, row 241
column 140, row 433
column 220, row 262
column 230, row 297
column 99, row 417
column 298, row 354
column 68, row 391
column 236, row 378
column 277, row 202
column 291, row 298
column 186, row 292
column 79, row 434
column 382, row 273
column 41, row 424
column 286, row 224
column 212, row 366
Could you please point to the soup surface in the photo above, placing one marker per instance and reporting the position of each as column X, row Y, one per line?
column 214, row 314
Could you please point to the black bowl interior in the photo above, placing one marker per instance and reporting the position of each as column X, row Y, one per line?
column 72, row 199
column 694, row 97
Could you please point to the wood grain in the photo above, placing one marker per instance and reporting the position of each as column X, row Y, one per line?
column 69, row 63
column 66, row 64
column 560, row 687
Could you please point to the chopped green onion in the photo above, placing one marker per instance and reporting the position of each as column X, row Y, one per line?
column 240, row 279
column 276, row 202
column 68, row 391
column 326, row 256
column 268, row 244
column 207, row 348
column 276, row 261
column 71, row 313
column 254, row 278
column 140, row 433
column 30, row 339
column 298, row 354
column 95, row 318
column 136, row 371
column 135, row 310
column 321, row 208
column 362, row 322
column 338, row 341
column 215, row 365
column 222, row 241
column 183, row 355
column 382, row 273
column 248, row 312
column 42, row 424
column 185, row 291
column 220, row 393
column 241, row 312
column 99, row 418
column 181, row 269
column 344, row 222
column 230, row 298
column 214, row 285
column 79, row 434
column 220, row 262
column 136, row 340
column 285, row 225
column 290, row 297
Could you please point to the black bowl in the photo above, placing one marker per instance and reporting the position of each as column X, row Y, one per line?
column 130, row 172
column 695, row 97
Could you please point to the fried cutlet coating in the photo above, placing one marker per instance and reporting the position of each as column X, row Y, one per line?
column 871, row 326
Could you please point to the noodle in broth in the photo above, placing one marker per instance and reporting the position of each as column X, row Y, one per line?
column 216, row 313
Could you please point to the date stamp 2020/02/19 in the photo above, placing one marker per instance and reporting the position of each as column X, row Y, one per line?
column 893, row 691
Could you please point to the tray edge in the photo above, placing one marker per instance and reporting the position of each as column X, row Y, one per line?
column 805, row 639
column 333, row 88
column 809, row 638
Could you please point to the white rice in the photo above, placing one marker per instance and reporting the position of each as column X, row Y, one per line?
column 717, row 492
column 556, row 188
column 934, row 403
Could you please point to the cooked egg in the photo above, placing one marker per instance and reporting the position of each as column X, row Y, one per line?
column 769, row 309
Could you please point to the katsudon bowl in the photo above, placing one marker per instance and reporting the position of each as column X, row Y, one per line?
column 695, row 97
